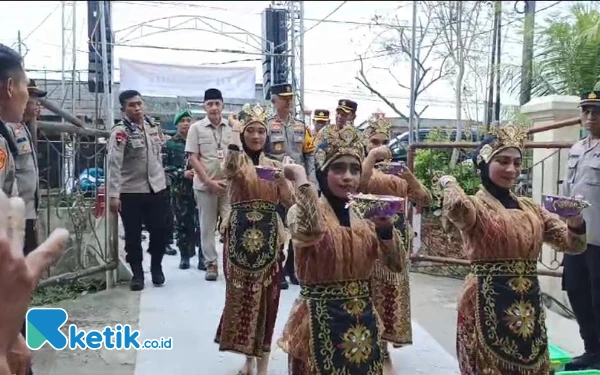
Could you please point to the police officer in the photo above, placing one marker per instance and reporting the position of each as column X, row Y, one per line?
column 289, row 137
column 345, row 112
column 320, row 119
column 181, row 174
column 581, row 272
column 137, row 187
column 13, row 100
column 27, row 165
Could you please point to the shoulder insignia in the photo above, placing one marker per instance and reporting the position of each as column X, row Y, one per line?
column 3, row 159
column 121, row 136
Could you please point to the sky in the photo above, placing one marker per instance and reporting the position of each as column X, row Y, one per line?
column 331, row 49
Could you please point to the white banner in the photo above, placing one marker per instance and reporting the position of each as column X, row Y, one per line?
column 180, row 80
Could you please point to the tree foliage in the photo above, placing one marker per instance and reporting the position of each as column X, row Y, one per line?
column 566, row 55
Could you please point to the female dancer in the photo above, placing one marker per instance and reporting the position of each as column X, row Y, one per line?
column 501, row 322
column 254, row 233
column 391, row 290
column 333, row 327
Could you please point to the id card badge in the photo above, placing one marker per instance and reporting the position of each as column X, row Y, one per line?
column 220, row 154
column 137, row 143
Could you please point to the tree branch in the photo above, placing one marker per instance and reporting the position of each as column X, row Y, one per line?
column 362, row 78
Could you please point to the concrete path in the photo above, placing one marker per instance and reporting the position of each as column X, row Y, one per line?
column 188, row 309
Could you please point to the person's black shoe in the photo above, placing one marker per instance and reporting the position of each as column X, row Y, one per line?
column 283, row 284
column 137, row 280
column 583, row 362
column 158, row 277
column 294, row 280
column 201, row 265
column 184, row 264
column 170, row 251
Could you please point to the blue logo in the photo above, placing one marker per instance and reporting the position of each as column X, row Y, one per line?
column 44, row 326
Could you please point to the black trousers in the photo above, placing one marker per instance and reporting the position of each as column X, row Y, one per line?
column 31, row 243
column 151, row 210
column 581, row 281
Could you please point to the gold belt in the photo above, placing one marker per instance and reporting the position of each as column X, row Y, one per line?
column 337, row 290
column 509, row 267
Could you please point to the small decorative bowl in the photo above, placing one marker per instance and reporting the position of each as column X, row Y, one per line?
column 370, row 205
column 391, row 167
column 564, row 206
column 267, row 173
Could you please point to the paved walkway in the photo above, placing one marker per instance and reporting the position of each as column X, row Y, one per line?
column 187, row 308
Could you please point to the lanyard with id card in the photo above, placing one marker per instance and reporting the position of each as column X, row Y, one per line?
column 220, row 153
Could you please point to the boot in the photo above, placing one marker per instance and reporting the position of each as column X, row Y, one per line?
column 158, row 277
column 212, row 272
column 137, row 280
column 184, row 264
column 584, row 361
column 283, row 284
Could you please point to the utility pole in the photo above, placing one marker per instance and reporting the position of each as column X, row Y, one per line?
column 413, row 83
column 498, row 57
column 527, row 64
column 490, row 99
column 19, row 42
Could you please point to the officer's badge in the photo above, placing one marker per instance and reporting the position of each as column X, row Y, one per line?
column 278, row 146
column 3, row 159
column 288, row 89
column 592, row 95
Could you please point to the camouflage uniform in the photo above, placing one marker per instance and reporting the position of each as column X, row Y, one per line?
column 182, row 196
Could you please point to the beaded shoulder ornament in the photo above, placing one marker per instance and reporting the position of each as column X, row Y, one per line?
column 333, row 141
column 507, row 136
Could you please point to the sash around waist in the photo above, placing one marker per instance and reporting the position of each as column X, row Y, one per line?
column 337, row 290
column 256, row 204
column 508, row 267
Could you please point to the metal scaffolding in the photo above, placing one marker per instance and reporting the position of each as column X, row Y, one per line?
column 296, row 51
column 69, row 54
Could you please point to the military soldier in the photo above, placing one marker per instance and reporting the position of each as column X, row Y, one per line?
column 137, row 187
column 345, row 112
column 581, row 274
column 321, row 119
column 181, row 175
column 27, row 166
column 289, row 137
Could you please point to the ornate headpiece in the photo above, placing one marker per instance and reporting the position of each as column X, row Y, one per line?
column 333, row 142
column 252, row 114
column 378, row 124
column 503, row 137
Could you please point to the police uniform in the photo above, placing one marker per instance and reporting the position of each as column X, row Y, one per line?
column 136, row 176
column 8, row 150
column 320, row 119
column 182, row 195
column 581, row 272
column 347, row 106
column 27, row 172
column 290, row 137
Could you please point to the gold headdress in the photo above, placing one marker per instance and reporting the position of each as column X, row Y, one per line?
column 507, row 136
column 333, row 142
column 378, row 124
column 253, row 114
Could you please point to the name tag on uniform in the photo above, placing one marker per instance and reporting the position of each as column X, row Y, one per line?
column 137, row 142
column 220, row 154
column 23, row 146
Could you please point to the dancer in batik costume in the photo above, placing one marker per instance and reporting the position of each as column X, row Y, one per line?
column 391, row 290
column 501, row 321
column 254, row 234
column 333, row 327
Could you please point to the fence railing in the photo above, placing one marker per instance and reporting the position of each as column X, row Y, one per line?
column 71, row 170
